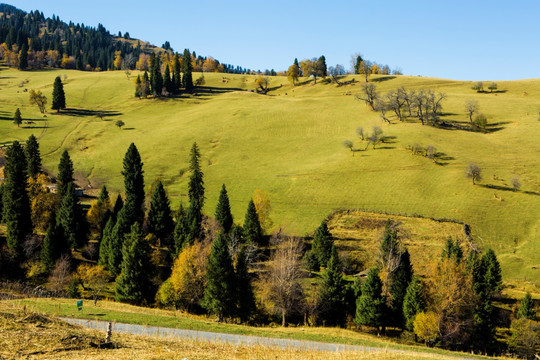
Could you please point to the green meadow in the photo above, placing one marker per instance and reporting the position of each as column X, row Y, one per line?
column 289, row 143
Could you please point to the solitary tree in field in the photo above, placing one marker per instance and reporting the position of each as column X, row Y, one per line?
column 349, row 145
column 59, row 97
column 368, row 95
column 478, row 86
column 119, row 123
column 492, row 87
column 471, row 107
column 37, row 98
column 516, row 184
column 293, row 73
column 474, row 172
column 17, row 118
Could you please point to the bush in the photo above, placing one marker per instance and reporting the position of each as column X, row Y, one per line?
column 480, row 121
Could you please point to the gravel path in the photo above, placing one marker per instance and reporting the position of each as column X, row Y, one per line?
column 228, row 338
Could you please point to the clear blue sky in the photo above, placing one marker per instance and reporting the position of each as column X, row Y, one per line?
column 463, row 40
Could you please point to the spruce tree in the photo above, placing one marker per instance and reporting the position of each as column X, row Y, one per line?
column 134, row 285
column 399, row 282
column 370, row 306
column 17, row 118
column 138, row 86
column 246, row 298
column 321, row 64
column 322, row 244
column 187, row 68
column 220, row 293
column 181, row 231
column 65, row 173
column 252, row 226
column 492, row 272
column 223, row 210
column 72, row 219
column 58, row 95
column 452, row 250
column 54, row 245
column 156, row 79
column 16, row 204
column 331, row 302
column 105, row 244
column 177, row 78
column 23, row 56
column 526, row 308
column 160, row 221
column 118, row 204
column 1, row 203
column 134, row 182
column 33, row 156
column 196, row 182
column 167, row 81
column 124, row 222
column 414, row 302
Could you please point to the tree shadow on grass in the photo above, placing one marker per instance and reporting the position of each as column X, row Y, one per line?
column 88, row 112
column 381, row 79
column 128, row 128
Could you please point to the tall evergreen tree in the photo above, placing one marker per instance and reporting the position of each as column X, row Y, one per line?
column 322, row 244
column 399, row 283
column 187, row 68
column 332, row 292
column 196, row 182
column 124, row 222
column 16, row 204
column 160, row 221
column 156, row 79
column 65, row 173
column 105, row 244
column 23, row 56
column 138, row 85
column 252, row 226
column 17, row 118
column 223, row 210
column 54, row 245
column 177, row 77
column 321, row 64
column 414, row 302
column 246, row 298
column 134, row 182
column 33, row 156
column 72, row 219
column 134, row 284
column 181, row 231
column 452, row 250
column 370, row 306
column 167, row 81
column 58, row 95
column 118, row 205
column 526, row 308
column 220, row 293
column 492, row 272
column 1, row 204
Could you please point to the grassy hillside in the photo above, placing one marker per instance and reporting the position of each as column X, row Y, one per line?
column 289, row 143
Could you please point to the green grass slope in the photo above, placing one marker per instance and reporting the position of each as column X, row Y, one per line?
column 289, row 143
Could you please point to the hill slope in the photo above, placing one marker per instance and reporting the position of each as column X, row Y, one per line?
column 290, row 144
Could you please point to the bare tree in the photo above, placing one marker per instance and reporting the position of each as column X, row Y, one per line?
column 474, row 172
column 61, row 274
column 471, row 106
column 396, row 101
column 492, row 86
column 478, row 86
column 408, row 98
column 366, row 68
column 430, row 152
column 516, row 184
column 349, row 145
column 284, row 275
column 335, row 72
column 368, row 95
column 382, row 105
column 360, row 132
column 375, row 137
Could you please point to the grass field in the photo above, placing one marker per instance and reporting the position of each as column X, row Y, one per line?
column 34, row 308
column 289, row 143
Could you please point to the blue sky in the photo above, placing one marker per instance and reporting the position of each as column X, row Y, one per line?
column 462, row 40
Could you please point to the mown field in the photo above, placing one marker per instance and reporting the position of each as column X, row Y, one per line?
column 289, row 143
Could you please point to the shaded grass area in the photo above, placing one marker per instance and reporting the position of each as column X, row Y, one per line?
column 117, row 312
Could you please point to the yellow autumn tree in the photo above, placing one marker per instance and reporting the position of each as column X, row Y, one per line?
column 117, row 60
column 42, row 202
column 94, row 279
column 426, row 327
column 263, row 208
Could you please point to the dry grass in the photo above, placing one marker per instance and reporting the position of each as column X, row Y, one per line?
column 30, row 335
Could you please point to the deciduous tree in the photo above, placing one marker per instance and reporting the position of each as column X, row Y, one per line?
column 37, row 98
column 473, row 172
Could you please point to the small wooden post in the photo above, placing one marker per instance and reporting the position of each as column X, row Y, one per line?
column 109, row 333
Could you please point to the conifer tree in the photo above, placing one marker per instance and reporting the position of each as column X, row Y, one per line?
column 220, row 293
column 124, row 221
column 252, row 226
column 196, row 182
column 492, row 272
column 321, row 65
column 156, row 79
column 414, row 302
column 223, row 210
column 1, row 203
column 33, row 156
column 16, row 204
column 134, row 284
column 177, row 77
column 322, row 244
column 332, row 305
column 160, row 221
column 138, row 85
column 58, row 95
column 118, row 204
column 134, row 182
column 54, row 245
column 72, row 219
column 167, row 81
column 145, row 86
column 246, row 298
column 105, row 244
column 181, row 231
column 370, row 306
column 399, row 283
column 187, row 68
column 65, row 173
column 23, row 56
column 452, row 250
column 526, row 308
column 17, row 118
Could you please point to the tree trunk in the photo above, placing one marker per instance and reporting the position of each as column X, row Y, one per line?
column 283, row 317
